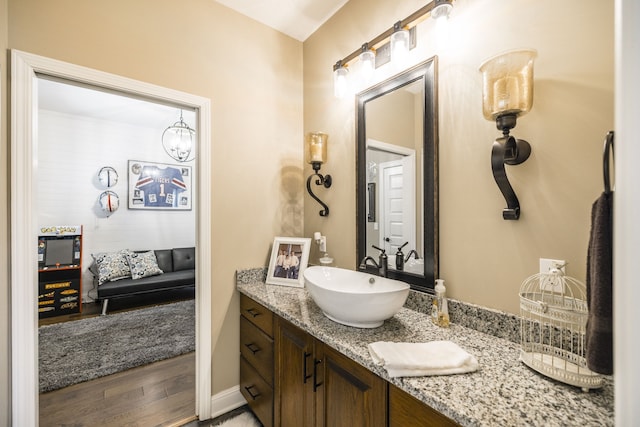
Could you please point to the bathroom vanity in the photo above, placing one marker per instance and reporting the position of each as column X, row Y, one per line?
column 299, row 368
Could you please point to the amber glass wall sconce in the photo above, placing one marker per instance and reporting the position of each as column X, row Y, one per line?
column 507, row 93
column 316, row 155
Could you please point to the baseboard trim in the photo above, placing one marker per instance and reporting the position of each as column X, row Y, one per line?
column 226, row 401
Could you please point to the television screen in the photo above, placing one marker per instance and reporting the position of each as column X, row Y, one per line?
column 58, row 252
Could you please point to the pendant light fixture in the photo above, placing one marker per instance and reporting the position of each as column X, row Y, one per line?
column 178, row 141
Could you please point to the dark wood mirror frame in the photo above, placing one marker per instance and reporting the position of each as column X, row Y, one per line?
column 427, row 72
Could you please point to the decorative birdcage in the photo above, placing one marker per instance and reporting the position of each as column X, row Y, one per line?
column 553, row 318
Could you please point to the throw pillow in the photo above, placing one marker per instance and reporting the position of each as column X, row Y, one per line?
column 143, row 264
column 112, row 266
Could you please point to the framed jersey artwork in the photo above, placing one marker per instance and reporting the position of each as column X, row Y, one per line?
column 159, row 186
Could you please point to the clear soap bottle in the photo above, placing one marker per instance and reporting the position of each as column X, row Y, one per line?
column 440, row 306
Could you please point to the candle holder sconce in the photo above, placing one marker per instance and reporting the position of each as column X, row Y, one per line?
column 507, row 93
column 316, row 155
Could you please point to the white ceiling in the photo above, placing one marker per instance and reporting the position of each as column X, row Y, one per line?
column 296, row 18
column 69, row 98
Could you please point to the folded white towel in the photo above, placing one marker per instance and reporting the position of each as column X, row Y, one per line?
column 422, row 359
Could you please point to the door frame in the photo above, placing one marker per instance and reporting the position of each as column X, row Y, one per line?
column 24, row 278
column 408, row 203
column 409, row 165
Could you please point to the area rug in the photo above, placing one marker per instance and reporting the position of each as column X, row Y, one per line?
column 246, row 419
column 82, row 350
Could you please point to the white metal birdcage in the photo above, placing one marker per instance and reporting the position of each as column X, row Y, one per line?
column 553, row 317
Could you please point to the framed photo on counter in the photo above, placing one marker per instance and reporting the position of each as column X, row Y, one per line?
column 289, row 258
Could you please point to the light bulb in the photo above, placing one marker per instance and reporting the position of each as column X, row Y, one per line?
column 340, row 84
column 367, row 63
column 399, row 45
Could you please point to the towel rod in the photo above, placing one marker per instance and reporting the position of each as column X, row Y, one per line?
column 607, row 153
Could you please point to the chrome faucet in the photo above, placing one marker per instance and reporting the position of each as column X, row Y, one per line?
column 382, row 264
column 412, row 252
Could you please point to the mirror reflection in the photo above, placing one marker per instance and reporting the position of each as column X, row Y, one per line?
column 397, row 173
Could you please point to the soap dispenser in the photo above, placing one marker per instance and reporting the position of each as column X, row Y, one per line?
column 440, row 306
column 400, row 258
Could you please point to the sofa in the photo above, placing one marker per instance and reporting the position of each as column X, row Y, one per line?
column 126, row 273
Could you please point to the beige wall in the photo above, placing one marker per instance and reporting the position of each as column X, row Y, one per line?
column 257, row 80
column 483, row 258
column 253, row 76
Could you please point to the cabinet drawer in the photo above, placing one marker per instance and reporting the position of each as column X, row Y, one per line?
column 257, row 392
column 257, row 348
column 407, row 411
column 257, row 314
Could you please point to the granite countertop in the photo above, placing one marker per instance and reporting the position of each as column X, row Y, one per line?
column 502, row 392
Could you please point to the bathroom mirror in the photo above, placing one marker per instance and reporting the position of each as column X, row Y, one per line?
column 397, row 183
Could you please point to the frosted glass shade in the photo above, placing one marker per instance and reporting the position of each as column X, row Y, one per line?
column 399, row 46
column 340, row 84
column 316, row 147
column 507, row 84
column 368, row 64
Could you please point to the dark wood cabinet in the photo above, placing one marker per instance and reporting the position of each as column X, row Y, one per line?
column 291, row 379
column 256, row 358
column 348, row 394
column 407, row 411
column 296, row 375
column 317, row 386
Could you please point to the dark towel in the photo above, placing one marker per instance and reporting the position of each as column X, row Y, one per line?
column 599, row 334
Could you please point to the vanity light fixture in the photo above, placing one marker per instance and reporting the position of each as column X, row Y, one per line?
column 178, row 141
column 393, row 44
column 507, row 93
column 316, row 155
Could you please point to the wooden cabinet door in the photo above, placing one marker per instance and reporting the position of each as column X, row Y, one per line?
column 348, row 394
column 294, row 403
column 407, row 411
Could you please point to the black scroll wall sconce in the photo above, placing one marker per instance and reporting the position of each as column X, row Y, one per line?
column 507, row 93
column 316, row 155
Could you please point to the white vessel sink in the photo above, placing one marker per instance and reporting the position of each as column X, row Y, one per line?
column 355, row 298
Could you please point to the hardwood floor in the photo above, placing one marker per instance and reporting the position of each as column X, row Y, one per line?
column 158, row 394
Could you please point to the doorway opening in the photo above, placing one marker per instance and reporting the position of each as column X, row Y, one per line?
column 26, row 70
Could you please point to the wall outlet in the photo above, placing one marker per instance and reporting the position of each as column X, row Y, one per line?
column 546, row 265
column 550, row 283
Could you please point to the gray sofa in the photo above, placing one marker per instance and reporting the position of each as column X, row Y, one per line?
column 178, row 267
